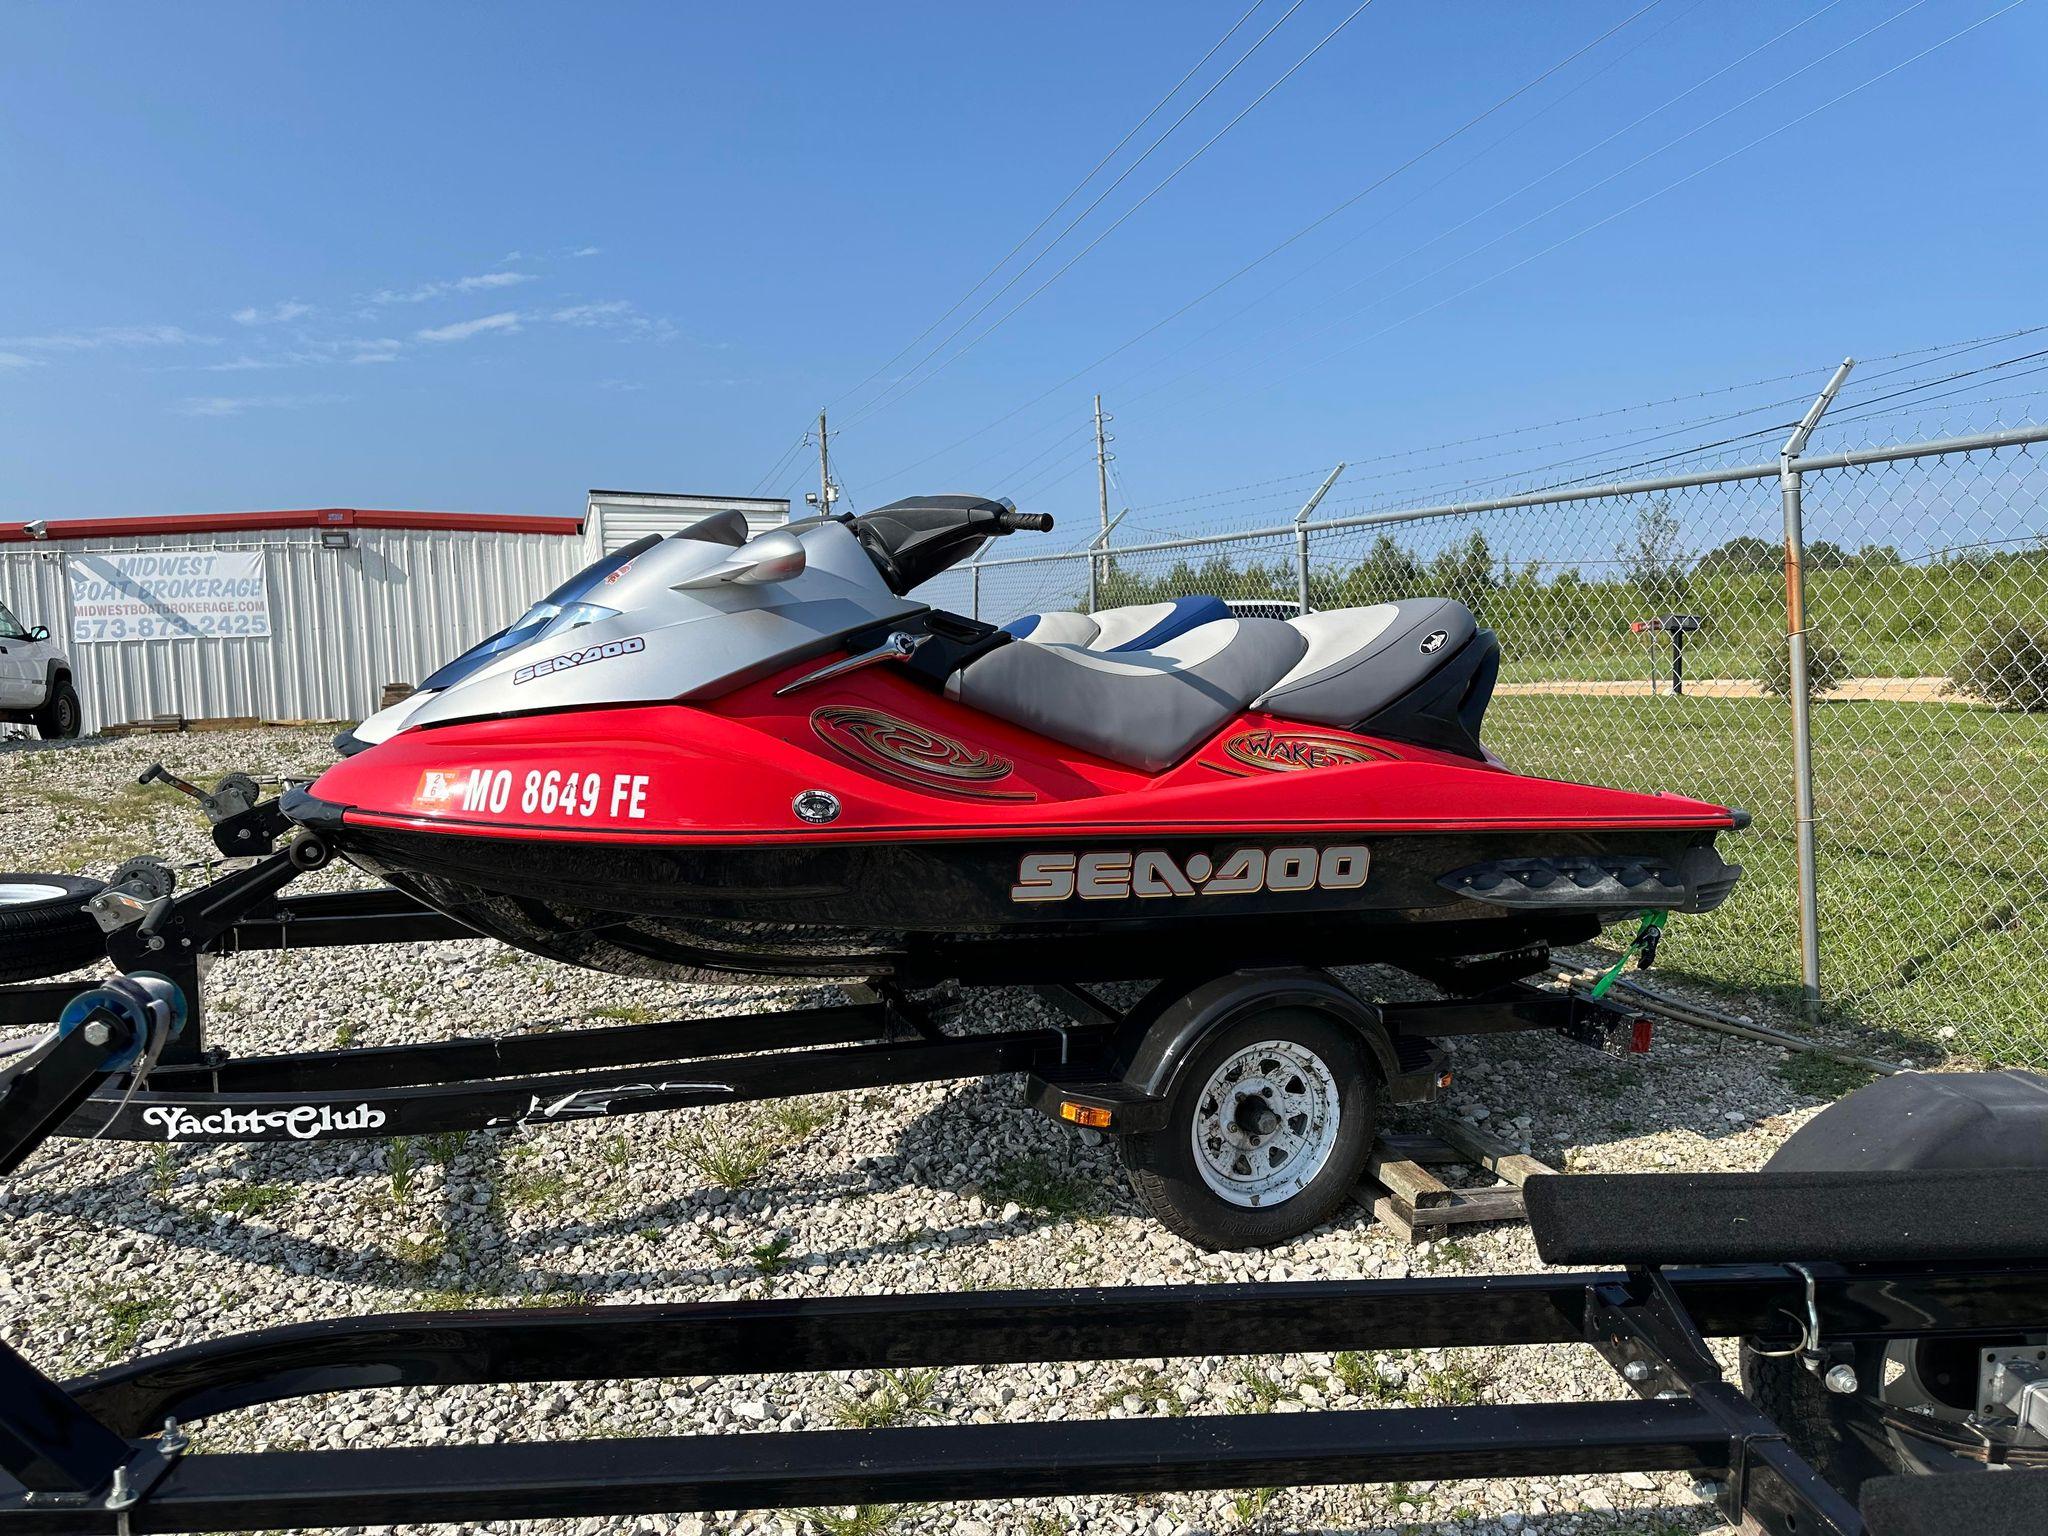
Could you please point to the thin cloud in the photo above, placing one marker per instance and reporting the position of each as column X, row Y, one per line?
column 384, row 349
column 16, row 360
column 462, row 330
column 610, row 312
column 481, row 282
column 618, row 316
column 277, row 314
column 111, row 336
column 237, row 405
column 248, row 364
column 588, row 250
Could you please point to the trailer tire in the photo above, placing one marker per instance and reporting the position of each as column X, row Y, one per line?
column 1841, row 1435
column 1319, row 1074
column 44, row 927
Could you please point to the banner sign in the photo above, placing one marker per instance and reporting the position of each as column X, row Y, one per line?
column 172, row 594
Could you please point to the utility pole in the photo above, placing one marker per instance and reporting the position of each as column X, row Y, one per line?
column 824, row 467
column 1102, row 465
column 826, row 493
column 1095, row 573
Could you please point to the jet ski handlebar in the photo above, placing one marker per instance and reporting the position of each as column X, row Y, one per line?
column 913, row 540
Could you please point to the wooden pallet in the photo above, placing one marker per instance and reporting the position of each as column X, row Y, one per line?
column 1402, row 1192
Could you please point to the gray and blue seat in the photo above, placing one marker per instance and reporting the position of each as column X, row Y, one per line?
column 1149, row 704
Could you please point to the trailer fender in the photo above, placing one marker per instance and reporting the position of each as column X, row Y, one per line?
column 1160, row 1035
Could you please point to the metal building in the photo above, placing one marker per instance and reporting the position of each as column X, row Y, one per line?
column 300, row 614
column 617, row 518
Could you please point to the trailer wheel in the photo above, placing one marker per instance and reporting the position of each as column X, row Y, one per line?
column 44, row 927
column 1266, row 1133
column 1840, row 1435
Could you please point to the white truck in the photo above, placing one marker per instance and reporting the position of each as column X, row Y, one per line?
column 35, row 680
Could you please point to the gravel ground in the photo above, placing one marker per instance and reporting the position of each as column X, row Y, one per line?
column 108, row 1250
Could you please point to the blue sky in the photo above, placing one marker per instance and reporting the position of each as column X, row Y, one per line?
column 482, row 258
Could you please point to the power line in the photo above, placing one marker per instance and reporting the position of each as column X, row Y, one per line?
column 1526, row 187
column 1564, row 203
column 1072, row 193
column 1688, row 177
column 1217, row 84
column 1123, row 217
column 1299, row 234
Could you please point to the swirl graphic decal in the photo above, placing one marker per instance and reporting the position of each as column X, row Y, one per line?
column 910, row 752
column 1289, row 751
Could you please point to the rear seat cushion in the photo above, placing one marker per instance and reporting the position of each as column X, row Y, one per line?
column 1054, row 628
column 1142, row 626
column 1359, row 660
column 1147, row 709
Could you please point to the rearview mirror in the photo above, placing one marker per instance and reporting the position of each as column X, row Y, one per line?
column 775, row 556
column 40, row 632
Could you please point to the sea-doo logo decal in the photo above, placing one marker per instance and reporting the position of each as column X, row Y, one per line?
column 908, row 751
column 1433, row 641
column 1112, row 874
column 1287, row 751
column 611, row 650
column 301, row 1122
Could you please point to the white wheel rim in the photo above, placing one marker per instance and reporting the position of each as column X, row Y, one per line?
column 20, row 893
column 1265, row 1123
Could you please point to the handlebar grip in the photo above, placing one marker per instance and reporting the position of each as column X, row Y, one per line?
column 1027, row 522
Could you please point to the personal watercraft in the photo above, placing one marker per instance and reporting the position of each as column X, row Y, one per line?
column 708, row 757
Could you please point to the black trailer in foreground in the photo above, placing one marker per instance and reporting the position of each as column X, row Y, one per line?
column 1891, row 1320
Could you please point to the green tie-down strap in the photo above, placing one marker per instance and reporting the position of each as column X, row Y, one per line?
column 1644, row 944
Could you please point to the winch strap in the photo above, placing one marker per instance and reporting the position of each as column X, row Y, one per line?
column 1643, row 944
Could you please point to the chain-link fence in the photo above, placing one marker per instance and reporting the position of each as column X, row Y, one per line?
column 1644, row 633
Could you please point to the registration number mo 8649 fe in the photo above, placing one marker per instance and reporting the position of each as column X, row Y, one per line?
column 1114, row 874
column 544, row 792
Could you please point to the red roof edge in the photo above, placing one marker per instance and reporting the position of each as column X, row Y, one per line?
column 313, row 517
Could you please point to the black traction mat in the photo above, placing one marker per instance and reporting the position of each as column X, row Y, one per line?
column 1866, row 1216
column 1980, row 1503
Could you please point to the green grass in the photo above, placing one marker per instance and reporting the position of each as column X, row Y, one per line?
column 527, row 1188
column 1820, row 1077
column 252, row 1199
column 772, row 1257
column 856, row 1520
column 894, row 1397
column 1932, row 849
column 1041, row 1185
column 126, row 1319
column 730, row 1162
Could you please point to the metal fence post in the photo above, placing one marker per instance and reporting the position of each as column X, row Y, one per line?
column 1800, row 683
column 974, row 593
column 1301, row 533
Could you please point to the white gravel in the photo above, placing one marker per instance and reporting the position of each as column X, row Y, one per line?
column 110, row 1249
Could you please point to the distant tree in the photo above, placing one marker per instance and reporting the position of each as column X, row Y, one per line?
column 1821, row 555
column 1387, row 572
column 1878, row 555
column 1465, row 571
column 1744, row 556
column 1653, row 558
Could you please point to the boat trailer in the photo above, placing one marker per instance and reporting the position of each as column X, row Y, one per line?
column 1933, row 1258
column 1078, row 1070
